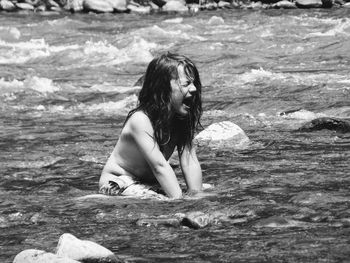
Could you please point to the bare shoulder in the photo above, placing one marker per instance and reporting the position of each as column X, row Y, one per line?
column 139, row 121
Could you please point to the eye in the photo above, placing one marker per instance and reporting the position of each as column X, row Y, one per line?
column 187, row 83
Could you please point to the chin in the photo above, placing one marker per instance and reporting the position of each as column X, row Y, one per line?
column 182, row 114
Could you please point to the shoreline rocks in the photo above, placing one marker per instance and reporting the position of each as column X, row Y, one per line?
column 151, row 6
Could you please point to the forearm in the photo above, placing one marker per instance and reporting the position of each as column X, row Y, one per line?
column 193, row 176
column 166, row 177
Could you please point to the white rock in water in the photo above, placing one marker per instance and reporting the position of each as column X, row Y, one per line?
column 175, row 6
column 224, row 133
column 83, row 250
column 40, row 256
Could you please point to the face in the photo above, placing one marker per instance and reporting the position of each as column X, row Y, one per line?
column 182, row 91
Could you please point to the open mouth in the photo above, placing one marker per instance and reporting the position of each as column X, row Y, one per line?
column 187, row 101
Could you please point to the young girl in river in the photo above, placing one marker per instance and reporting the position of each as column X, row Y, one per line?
column 166, row 117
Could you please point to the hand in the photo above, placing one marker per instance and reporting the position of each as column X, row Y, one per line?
column 111, row 188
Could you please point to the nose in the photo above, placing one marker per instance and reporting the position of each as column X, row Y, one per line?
column 192, row 88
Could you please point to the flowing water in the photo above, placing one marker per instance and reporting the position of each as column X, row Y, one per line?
column 67, row 82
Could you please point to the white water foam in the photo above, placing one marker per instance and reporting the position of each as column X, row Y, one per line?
column 158, row 32
column 341, row 27
column 9, row 33
column 43, row 85
column 91, row 53
column 21, row 52
column 262, row 75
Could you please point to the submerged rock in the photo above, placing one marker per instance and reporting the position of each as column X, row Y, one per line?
column 83, row 250
column 223, row 134
column 159, row 221
column 326, row 123
column 197, row 220
column 40, row 256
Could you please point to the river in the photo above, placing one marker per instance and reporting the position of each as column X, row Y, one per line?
column 67, row 83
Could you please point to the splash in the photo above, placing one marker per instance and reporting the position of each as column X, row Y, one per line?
column 43, row 85
column 9, row 33
column 341, row 27
column 22, row 52
column 256, row 75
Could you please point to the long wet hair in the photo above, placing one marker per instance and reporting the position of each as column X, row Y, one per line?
column 155, row 100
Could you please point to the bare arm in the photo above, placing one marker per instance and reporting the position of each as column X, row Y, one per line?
column 191, row 169
column 141, row 130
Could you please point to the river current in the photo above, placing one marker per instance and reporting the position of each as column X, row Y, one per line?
column 67, row 83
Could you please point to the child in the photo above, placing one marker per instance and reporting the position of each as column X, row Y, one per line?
column 167, row 116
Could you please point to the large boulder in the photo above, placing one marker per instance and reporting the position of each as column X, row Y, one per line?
column 40, row 256
column 223, row 134
column 84, row 250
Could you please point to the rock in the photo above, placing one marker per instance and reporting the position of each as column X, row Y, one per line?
column 74, row 5
column 52, row 3
column 327, row 3
column 223, row 134
column 193, row 8
column 83, row 250
column 98, row 6
column 216, row 20
column 196, row 220
column 118, row 5
column 175, row 6
column 159, row 3
column 154, row 6
column 284, row 4
column 39, row 256
column 7, row 5
column 269, row 1
column 25, row 6
column 322, row 123
column 159, row 221
column 224, row 4
column 41, row 8
column 139, row 9
column 308, row 3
